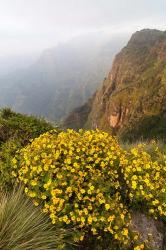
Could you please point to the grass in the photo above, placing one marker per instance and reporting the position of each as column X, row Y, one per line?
column 23, row 226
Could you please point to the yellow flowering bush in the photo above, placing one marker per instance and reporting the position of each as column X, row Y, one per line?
column 145, row 180
column 75, row 176
column 84, row 180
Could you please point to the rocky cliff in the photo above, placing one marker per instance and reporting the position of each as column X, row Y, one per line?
column 132, row 99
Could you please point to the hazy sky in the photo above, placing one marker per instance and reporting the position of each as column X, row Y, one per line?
column 30, row 25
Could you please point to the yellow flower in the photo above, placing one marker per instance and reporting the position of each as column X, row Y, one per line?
column 134, row 184
column 111, row 218
column 92, row 188
column 139, row 247
column 107, row 206
column 44, row 197
column 14, row 174
column 14, row 161
column 94, row 231
column 136, row 237
column 68, row 190
column 82, row 191
column 65, row 218
column 82, row 219
column 125, row 231
column 81, row 237
column 33, row 183
column 89, row 220
column 36, row 203
column 46, row 167
column 32, row 194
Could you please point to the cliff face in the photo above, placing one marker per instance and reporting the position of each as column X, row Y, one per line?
column 132, row 100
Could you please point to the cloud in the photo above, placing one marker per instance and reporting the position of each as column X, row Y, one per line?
column 34, row 24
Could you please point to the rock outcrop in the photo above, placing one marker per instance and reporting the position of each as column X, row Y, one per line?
column 150, row 230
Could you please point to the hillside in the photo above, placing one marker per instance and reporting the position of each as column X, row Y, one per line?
column 132, row 99
column 63, row 78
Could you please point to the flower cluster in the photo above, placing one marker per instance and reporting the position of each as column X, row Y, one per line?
column 75, row 177
column 145, row 181
column 85, row 180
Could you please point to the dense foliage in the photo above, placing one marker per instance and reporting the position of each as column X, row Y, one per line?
column 16, row 131
column 21, row 127
column 86, row 181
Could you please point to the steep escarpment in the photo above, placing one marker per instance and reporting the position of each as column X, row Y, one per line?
column 132, row 100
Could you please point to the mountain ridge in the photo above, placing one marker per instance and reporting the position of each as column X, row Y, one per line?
column 134, row 93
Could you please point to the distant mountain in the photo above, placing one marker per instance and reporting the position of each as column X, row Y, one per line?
column 12, row 63
column 132, row 99
column 63, row 78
